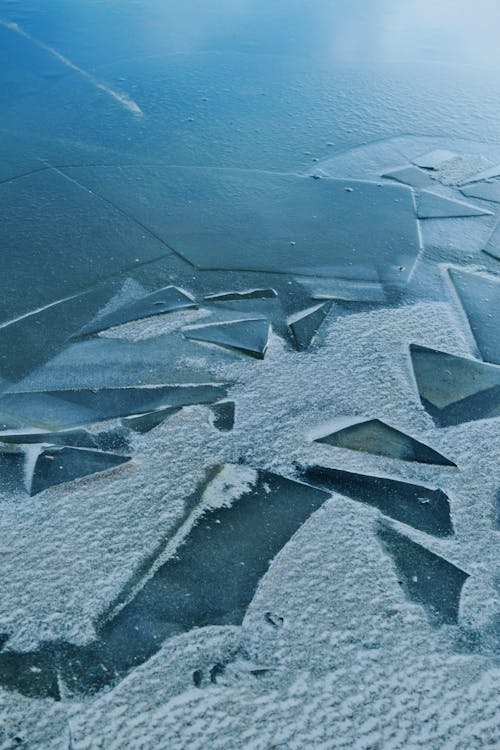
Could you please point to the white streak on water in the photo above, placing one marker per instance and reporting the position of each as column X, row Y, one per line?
column 121, row 98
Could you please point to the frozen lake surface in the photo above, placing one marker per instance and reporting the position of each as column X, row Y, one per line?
column 249, row 375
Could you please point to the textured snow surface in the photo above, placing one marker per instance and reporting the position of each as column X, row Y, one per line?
column 331, row 652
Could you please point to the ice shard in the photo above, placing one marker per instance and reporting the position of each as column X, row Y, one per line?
column 480, row 298
column 58, row 465
column 434, row 159
column 377, row 437
column 409, row 175
column 66, row 408
column 239, row 296
column 168, row 299
column 77, row 438
column 455, row 389
column 493, row 245
column 426, row 578
column 146, row 422
column 210, row 579
column 423, row 508
column 432, row 206
column 248, row 336
column 486, row 191
column 485, row 174
column 306, row 324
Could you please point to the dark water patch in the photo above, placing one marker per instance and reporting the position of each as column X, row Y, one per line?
column 379, row 438
column 455, row 389
column 426, row 578
column 34, row 674
column 223, row 415
column 66, row 408
column 58, row 465
column 165, row 300
column 432, row 206
column 413, row 504
column 306, row 325
column 480, row 298
column 210, row 580
column 247, row 336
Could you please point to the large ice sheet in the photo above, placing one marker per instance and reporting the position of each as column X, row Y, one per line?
column 284, row 223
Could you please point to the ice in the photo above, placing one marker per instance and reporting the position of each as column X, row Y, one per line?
column 433, row 159
column 306, row 324
column 59, row 465
column 77, row 438
column 377, row 437
column 145, row 422
column 88, row 238
column 492, row 247
column 427, row 578
column 11, row 469
column 243, row 295
column 485, row 174
column 223, row 415
column 455, row 389
column 209, row 579
column 480, row 298
column 432, row 206
column 164, row 300
column 249, row 336
column 282, row 223
column 409, row 175
column 67, row 408
column 423, row 508
column 487, row 191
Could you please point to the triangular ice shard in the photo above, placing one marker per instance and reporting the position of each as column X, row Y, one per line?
column 426, row 578
column 58, row 465
column 66, row 408
column 164, row 300
column 306, row 324
column 409, row 176
column 480, row 298
column 486, row 191
column 413, row 504
column 455, row 389
column 433, row 159
column 486, row 174
column 432, row 206
column 145, row 422
column 244, row 295
column 379, row 438
column 238, row 522
column 493, row 244
column 223, row 415
column 248, row 336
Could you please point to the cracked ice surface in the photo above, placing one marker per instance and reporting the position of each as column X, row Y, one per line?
column 199, row 547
